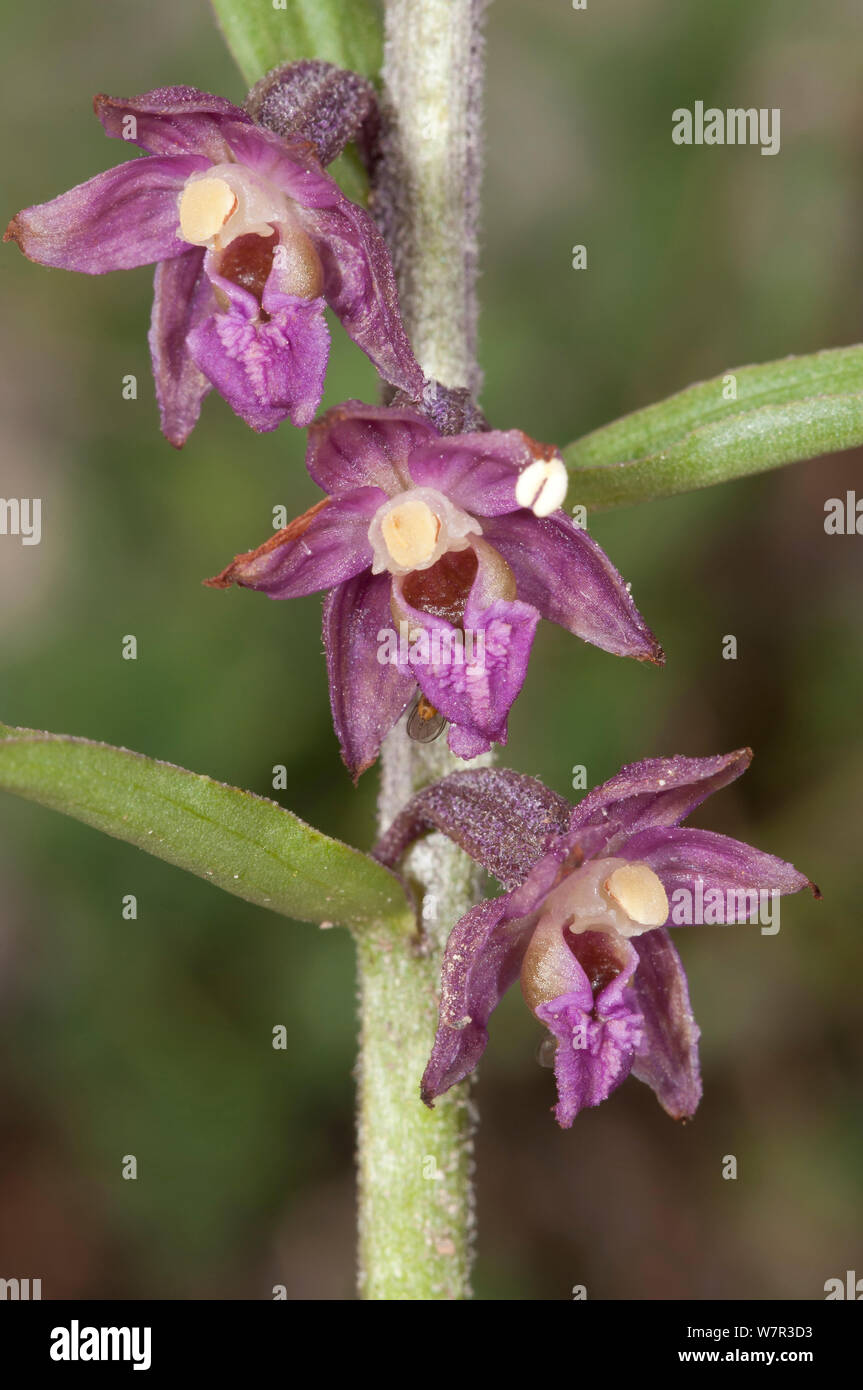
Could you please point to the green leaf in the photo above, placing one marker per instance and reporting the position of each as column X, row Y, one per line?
column 260, row 37
column 785, row 411
column 350, row 174
column 241, row 842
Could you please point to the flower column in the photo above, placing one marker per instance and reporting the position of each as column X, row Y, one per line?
column 415, row 1164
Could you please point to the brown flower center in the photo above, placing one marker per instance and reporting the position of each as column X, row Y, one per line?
column 247, row 262
column 594, row 951
column 442, row 590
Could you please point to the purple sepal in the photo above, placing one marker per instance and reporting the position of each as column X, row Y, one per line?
column 683, row 858
column 326, row 546
column 182, row 298
column 172, row 120
column 360, row 288
column 366, row 695
column 358, row 445
column 655, row 792
column 118, row 220
column 478, row 472
column 483, row 957
column 569, row 578
column 668, row 1059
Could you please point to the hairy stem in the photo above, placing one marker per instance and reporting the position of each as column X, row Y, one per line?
column 429, row 186
column 416, row 1198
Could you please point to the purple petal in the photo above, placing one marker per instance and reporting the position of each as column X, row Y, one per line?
column 656, row 792
column 597, row 1039
column 668, row 1058
column 267, row 370
column 684, row 858
column 482, row 959
column 290, row 164
column 121, row 219
column 478, row 472
column 367, row 695
column 172, row 120
column 323, row 548
column 500, row 818
column 360, row 286
column 468, row 743
column 563, row 573
column 182, row 297
column 357, row 445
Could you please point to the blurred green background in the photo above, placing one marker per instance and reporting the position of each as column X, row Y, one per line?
column 153, row 1037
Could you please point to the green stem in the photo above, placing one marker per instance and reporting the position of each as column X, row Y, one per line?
column 415, row 1191
column 416, row 1198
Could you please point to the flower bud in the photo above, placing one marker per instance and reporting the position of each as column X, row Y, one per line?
column 316, row 101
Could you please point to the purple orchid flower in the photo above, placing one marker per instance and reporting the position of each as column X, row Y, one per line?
column 251, row 240
column 441, row 553
column 584, row 923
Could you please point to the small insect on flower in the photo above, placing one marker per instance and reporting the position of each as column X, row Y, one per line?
column 425, row 723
